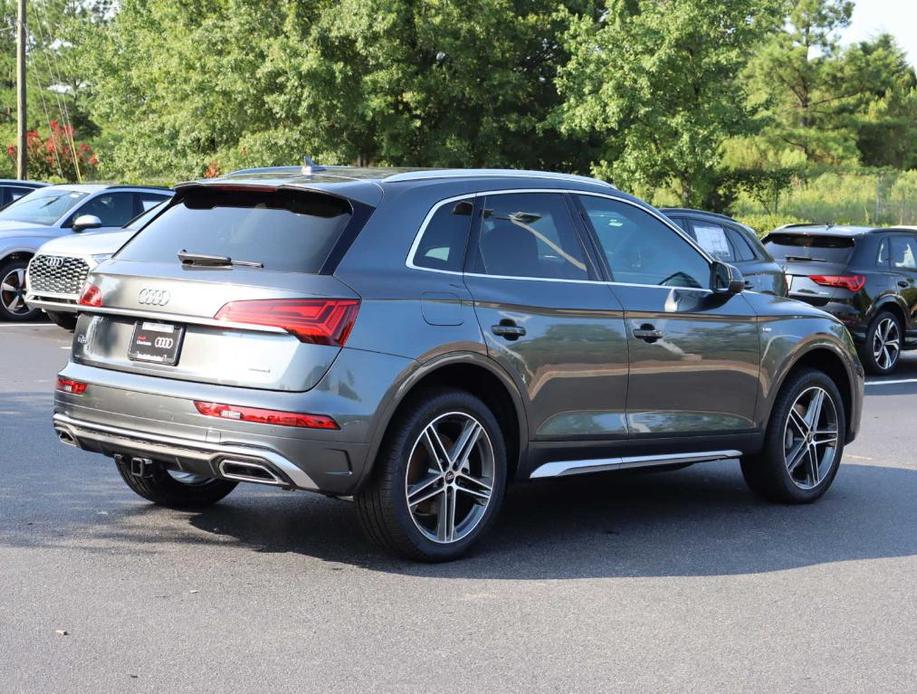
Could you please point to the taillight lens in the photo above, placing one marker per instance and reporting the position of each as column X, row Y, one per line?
column 90, row 296
column 319, row 321
column 259, row 416
column 852, row 282
column 68, row 385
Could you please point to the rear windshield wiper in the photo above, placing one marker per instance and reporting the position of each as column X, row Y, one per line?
column 203, row 260
column 804, row 259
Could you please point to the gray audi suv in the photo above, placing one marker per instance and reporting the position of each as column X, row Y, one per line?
column 417, row 340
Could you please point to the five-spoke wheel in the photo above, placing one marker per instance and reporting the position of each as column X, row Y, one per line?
column 880, row 352
column 439, row 477
column 12, row 292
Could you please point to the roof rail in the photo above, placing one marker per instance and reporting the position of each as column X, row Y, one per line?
column 692, row 210
column 116, row 186
column 496, row 173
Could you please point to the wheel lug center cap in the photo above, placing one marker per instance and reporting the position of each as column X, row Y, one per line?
column 450, row 476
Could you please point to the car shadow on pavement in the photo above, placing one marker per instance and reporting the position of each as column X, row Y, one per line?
column 695, row 522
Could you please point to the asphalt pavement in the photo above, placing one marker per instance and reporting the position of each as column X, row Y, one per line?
column 678, row 581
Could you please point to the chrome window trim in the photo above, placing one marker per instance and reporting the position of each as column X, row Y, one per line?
column 409, row 261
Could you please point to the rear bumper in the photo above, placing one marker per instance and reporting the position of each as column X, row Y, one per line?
column 211, row 460
column 139, row 416
column 59, row 303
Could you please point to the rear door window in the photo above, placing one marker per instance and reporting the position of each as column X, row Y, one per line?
column 285, row 230
column 904, row 253
column 442, row 245
column 817, row 247
column 529, row 235
column 712, row 238
column 113, row 209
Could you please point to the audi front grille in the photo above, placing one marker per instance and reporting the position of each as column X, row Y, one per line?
column 54, row 274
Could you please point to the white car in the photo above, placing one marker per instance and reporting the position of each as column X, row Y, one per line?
column 59, row 268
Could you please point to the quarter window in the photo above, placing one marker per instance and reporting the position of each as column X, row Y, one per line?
column 529, row 235
column 882, row 257
column 741, row 244
column 641, row 249
column 442, row 246
column 113, row 209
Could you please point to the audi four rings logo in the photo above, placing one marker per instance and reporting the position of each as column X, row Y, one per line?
column 54, row 261
column 153, row 297
column 164, row 342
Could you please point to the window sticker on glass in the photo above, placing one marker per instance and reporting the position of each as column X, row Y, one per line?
column 712, row 238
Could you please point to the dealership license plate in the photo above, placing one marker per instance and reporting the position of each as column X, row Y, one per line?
column 159, row 343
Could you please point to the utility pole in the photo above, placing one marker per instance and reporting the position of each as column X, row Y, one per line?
column 22, row 160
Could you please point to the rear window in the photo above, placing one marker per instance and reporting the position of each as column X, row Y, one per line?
column 285, row 230
column 831, row 249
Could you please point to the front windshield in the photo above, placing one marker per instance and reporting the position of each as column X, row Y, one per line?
column 43, row 206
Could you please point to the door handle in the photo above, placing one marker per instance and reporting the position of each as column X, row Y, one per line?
column 648, row 333
column 508, row 329
column 904, row 284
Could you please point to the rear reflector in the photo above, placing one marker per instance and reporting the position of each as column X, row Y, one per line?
column 66, row 385
column 318, row 321
column 259, row 416
column 852, row 282
column 90, row 296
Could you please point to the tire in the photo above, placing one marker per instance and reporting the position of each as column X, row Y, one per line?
column 12, row 292
column 784, row 472
column 67, row 321
column 405, row 460
column 881, row 349
column 164, row 489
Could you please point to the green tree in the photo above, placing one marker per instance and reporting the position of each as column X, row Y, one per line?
column 657, row 83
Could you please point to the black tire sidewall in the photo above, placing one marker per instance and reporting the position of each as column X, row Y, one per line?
column 67, row 321
column 163, row 489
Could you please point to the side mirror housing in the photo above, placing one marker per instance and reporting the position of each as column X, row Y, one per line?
column 86, row 221
column 727, row 279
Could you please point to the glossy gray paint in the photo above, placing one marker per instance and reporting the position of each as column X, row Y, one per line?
column 581, row 385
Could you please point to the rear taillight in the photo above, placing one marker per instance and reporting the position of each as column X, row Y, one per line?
column 319, row 321
column 852, row 282
column 90, row 296
column 68, row 385
column 259, row 416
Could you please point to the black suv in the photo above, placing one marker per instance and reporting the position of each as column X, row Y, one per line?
column 867, row 277
column 732, row 242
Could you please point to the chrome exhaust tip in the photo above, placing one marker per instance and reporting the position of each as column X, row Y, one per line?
column 66, row 438
column 247, row 471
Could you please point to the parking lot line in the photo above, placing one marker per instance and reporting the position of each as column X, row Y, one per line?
column 891, row 383
column 27, row 325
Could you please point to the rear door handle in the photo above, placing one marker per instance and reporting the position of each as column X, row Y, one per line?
column 648, row 333
column 904, row 284
column 508, row 329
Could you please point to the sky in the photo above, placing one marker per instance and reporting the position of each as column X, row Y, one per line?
column 896, row 17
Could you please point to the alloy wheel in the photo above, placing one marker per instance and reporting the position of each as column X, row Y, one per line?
column 450, row 477
column 810, row 437
column 886, row 343
column 12, row 292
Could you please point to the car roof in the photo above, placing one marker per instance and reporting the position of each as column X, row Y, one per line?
column 97, row 187
column 849, row 230
column 25, row 183
column 689, row 211
column 368, row 183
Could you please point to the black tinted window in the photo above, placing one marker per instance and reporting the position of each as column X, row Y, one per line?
column 113, row 209
column 641, row 249
column 882, row 255
column 832, row 249
column 285, row 230
column 443, row 243
column 530, row 235
column 740, row 244
column 147, row 201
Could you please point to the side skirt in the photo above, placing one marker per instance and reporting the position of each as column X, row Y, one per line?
column 562, row 468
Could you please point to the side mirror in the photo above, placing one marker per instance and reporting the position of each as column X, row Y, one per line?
column 727, row 279
column 86, row 221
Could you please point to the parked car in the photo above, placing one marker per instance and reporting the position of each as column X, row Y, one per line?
column 732, row 242
column 11, row 189
column 865, row 276
column 59, row 268
column 416, row 340
column 53, row 211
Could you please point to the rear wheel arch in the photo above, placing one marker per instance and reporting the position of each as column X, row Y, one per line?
column 467, row 372
column 893, row 305
column 828, row 361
